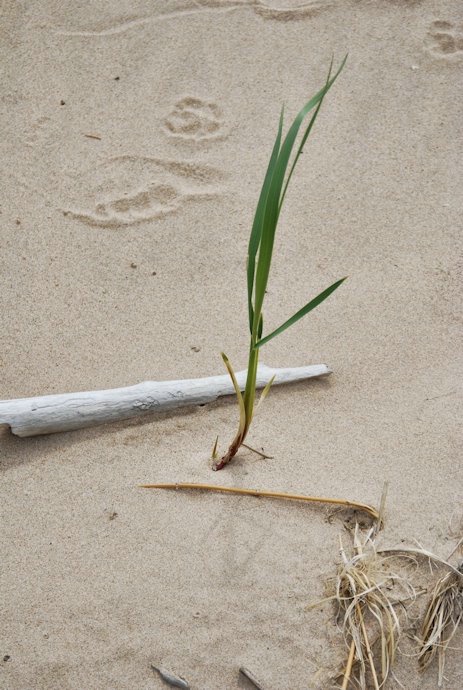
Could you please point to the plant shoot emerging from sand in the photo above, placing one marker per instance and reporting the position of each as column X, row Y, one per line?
column 273, row 192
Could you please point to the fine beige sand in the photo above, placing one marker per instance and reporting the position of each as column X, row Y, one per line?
column 135, row 137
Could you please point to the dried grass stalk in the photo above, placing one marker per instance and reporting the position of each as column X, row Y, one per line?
column 442, row 617
column 372, row 512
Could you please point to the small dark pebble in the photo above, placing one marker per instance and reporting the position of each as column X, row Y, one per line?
column 7, row 657
column 62, row 102
column 133, row 265
column 195, row 348
column 113, row 515
column 18, row 222
column 153, row 273
column 116, row 78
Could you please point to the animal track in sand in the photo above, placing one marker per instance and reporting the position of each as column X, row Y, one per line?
column 445, row 39
column 194, row 119
column 282, row 10
column 125, row 190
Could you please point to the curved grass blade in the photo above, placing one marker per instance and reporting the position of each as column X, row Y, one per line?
column 306, row 134
column 256, row 232
column 265, row 392
column 239, row 395
column 214, row 454
column 302, row 312
column 272, row 207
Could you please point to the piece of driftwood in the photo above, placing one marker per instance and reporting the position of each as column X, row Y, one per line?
column 49, row 414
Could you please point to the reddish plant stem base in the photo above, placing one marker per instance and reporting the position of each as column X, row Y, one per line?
column 229, row 455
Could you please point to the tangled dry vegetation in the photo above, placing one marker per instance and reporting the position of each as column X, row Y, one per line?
column 367, row 594
column 373, row 594
column 443, row 615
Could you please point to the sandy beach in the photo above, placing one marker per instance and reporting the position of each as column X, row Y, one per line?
column 135, row 141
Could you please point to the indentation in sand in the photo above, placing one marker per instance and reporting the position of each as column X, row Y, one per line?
column 194, row 119
column 289, row 11
column 445, row 39
column 132, row 189
column 282, row 10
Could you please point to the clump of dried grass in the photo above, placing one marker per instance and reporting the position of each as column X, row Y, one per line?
column 441, row 620
column 444, row 612
column 367, row 594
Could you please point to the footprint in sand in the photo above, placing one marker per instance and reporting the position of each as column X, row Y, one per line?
column 194, row 119
column 445, row 39
column 132, row 189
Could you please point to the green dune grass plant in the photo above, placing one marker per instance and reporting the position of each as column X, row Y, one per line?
column 278, row 176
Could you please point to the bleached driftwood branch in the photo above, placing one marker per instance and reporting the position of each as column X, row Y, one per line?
column 48, row 414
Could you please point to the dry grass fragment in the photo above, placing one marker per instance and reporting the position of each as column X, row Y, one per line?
column 444, row 611
column 442, row 617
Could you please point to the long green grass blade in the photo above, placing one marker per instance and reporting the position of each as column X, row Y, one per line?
column 305, row 137
column 302, row 312
column 272, row 206
column 239, row 395
column 256, row 231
